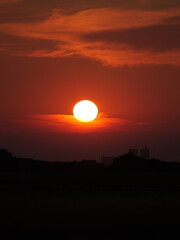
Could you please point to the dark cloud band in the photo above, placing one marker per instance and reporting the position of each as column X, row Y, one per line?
column 157, row 38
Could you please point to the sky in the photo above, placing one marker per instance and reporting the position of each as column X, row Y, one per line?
column 124, row 55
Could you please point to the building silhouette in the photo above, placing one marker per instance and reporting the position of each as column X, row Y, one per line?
column 134, row 151
column 145, row 152
column 142, row 153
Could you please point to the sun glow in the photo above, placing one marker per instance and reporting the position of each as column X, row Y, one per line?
column 85, row 111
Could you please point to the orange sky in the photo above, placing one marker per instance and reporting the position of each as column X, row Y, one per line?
column 123, row 55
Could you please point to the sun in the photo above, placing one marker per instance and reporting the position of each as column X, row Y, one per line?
column 85, row 111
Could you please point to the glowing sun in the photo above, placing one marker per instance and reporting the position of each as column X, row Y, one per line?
column 85, row 111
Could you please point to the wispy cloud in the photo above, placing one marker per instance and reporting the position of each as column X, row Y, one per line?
column 61, row 123
column 68, row 124
column 113, row 37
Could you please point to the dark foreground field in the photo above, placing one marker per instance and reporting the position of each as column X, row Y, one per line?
column 100, row 207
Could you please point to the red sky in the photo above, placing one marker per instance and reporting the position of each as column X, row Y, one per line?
column 123, row 55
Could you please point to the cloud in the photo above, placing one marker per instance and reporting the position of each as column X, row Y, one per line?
column 68, row 124
column 61, row 123
column 155, row 38
column 111, row 36
column 14, row 44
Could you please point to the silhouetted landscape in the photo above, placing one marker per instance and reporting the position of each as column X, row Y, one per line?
column 89, row 173
column 132, row 195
